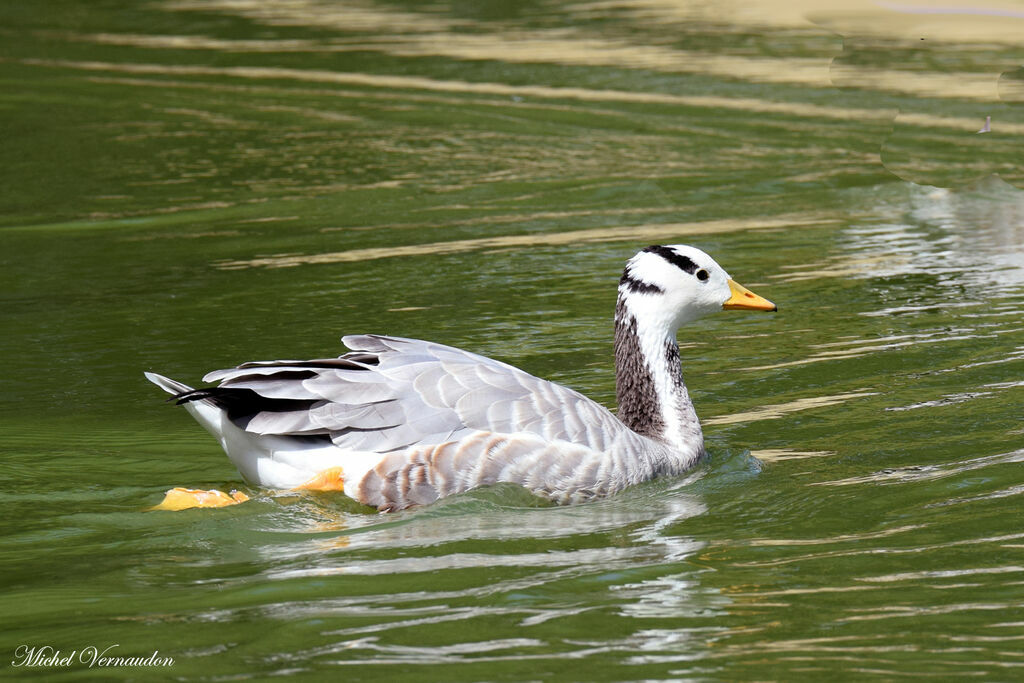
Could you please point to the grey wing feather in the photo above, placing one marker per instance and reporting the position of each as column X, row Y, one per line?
column 390, row 393
column 292, row 422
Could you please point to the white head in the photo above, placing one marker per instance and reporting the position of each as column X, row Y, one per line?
column 668, row 286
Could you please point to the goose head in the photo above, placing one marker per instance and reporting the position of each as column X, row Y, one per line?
column 665, row 286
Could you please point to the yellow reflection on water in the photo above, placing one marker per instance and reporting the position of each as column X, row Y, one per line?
column 747, row 104
column 947, row 20
column 650, row 232
column 868, row 535
column 776, row 411
column 347, row 16
column 779, row 454
column 558, row 47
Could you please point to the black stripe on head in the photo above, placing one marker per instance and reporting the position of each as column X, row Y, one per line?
column 678, row 260
column 638, row 286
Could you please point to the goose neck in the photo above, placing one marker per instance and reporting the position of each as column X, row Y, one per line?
column 652, row 396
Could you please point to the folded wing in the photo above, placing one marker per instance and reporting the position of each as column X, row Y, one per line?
column 390, row 393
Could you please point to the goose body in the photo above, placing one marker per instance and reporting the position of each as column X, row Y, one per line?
column 399, row 422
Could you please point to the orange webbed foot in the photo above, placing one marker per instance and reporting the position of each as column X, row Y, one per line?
column 331, row 479
column 180, row 498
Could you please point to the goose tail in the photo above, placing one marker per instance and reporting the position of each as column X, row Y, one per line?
column 252, row 454
column 172, row 387
column 208, row 414
column 211, row 416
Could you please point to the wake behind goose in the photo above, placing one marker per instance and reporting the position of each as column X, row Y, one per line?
column 401, row 422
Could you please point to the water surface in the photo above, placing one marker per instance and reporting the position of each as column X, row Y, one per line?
column 186, row 186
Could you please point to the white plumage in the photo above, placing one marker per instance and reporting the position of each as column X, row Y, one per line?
column 398, row 422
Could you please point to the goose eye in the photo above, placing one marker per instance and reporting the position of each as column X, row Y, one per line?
column 702, row 275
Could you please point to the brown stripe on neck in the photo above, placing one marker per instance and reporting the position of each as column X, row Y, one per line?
column 639, row 407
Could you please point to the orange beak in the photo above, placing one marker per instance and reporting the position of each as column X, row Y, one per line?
column 743, row 299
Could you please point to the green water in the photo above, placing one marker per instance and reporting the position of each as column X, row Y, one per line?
column 186, row 186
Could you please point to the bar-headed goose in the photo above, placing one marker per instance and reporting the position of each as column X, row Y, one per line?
column 399, row 422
